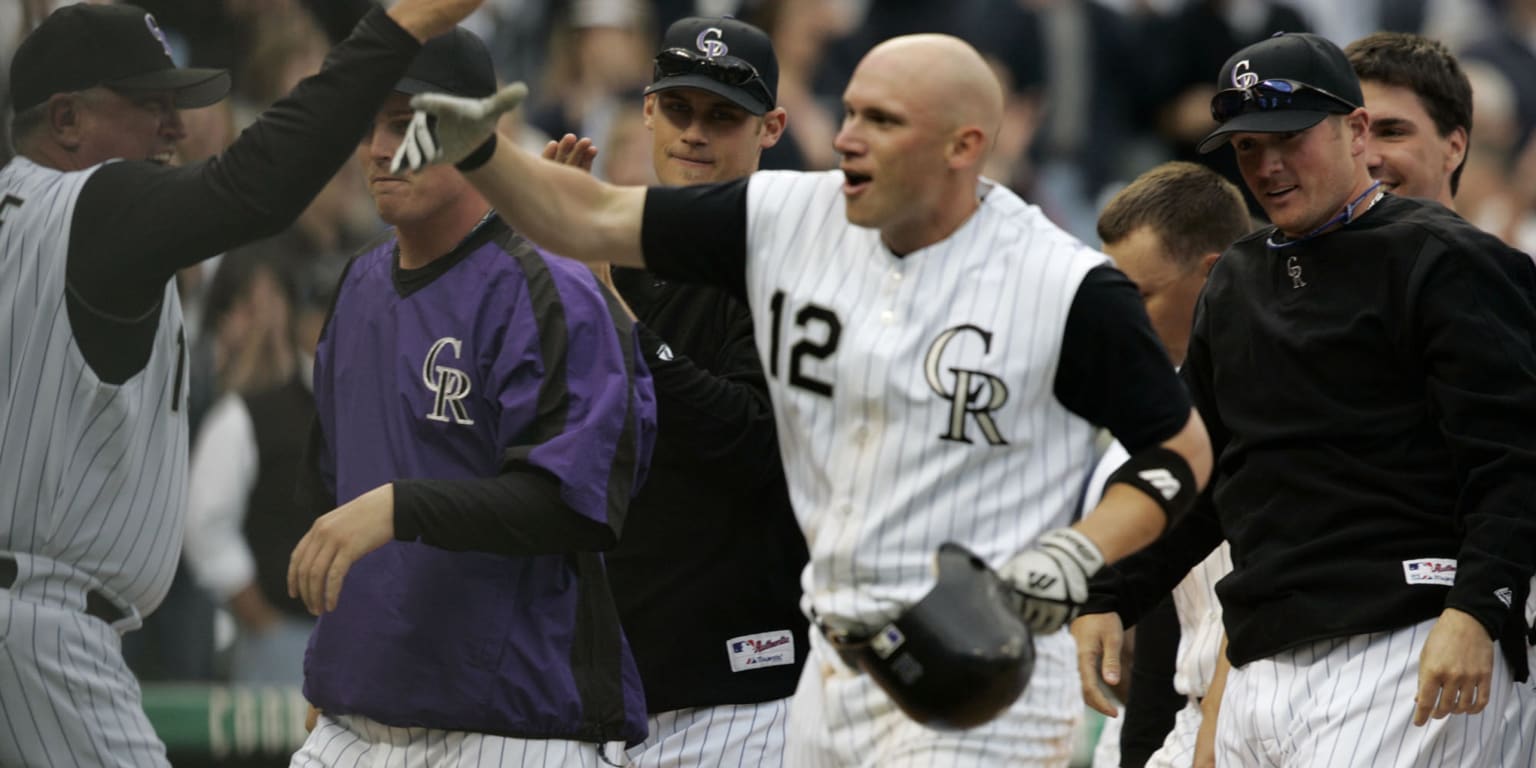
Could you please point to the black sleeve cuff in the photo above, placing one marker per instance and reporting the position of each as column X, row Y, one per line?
column 407, row 528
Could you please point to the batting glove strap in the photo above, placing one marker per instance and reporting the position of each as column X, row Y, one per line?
column 478, row 157
column 1164, row 476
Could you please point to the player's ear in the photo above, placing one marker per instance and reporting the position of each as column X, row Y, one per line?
column 967, row 147
column 1208, row 261
column 64, row 119
column 774, row 123
column 1457, row 139
column 649, row 111
column 1357, row 126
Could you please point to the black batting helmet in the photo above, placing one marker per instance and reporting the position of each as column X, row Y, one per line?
column 957, row 658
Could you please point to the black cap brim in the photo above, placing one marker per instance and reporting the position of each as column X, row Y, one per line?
column 1276, row 121
column 192, row 87
column 738, row 96
column 412, row 86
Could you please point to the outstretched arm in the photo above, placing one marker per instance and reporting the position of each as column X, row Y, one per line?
column 559, row 207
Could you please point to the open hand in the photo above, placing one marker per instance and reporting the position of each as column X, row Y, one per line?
column 338, row 539
column 447, row 129
column 569, row 150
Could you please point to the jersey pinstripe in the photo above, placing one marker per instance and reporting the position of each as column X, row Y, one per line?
column 726, row 736
column 92, row 494
column 95, row 473
column 865, row 351
column 914, row 397
column 1348, row 702
column 356, row 742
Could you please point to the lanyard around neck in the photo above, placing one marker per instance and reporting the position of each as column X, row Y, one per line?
column 1344, row 217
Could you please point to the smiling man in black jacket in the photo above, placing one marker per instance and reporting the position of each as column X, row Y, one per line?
column 706, row 575
column 1366, row 370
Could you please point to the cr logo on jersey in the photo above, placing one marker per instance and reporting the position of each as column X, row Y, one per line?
column 965, row 401
column 450, row 384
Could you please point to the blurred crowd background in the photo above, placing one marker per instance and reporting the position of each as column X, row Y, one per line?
column 1098, row 91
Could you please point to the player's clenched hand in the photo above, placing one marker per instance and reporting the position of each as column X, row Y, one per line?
column 1099, row 637
column 337, row 540
column 569, row 150
column 1455, row 668
column 1053, row 577
column 446, row 129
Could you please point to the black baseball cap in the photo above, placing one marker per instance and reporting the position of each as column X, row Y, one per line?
column 456, row 62
column 1310, row 60
column 119, row 46
column 722, row 55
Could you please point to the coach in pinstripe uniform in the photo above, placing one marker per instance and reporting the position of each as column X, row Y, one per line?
column 93, row 428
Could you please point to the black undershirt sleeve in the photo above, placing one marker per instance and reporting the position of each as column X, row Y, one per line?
column 137, row 222
column 1113, row 371
column 518, row 512
column 698, row 234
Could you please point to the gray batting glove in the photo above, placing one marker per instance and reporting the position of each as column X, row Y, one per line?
column 1053, row 578
column 447, row 129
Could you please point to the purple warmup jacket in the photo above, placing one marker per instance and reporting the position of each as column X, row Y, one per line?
column 510, row 407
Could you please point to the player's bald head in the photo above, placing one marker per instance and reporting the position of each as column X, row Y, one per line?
column 943, row 75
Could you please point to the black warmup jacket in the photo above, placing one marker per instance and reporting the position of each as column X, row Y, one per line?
column 711, row 550
column 1371, row 399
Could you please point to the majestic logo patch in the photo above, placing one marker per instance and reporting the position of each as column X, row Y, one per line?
column 764, row 649
column 1505, row 596
column 154, row 29
column 966, row 401
column 449, row 384
column 1439, row 571
column 1242, row 77
column 664, row 352
column 713, row 47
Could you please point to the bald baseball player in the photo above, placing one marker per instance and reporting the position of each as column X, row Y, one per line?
column 707, row 574
column 93, row 430
column 1364, row 365
column 937, row 353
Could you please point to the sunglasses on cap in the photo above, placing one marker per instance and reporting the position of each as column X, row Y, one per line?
column 727, row 70
column 1269, row 95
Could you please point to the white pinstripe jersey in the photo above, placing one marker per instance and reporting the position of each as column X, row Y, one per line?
column 865, row 351
column 92, row 475
column 1194, row 598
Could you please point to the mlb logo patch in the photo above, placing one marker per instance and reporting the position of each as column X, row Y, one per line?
column 1438, row 571
column 765, row 649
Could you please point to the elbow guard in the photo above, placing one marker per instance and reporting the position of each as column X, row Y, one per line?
column 1164, row 476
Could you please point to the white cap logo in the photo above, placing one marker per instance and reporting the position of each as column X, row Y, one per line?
column 1242, row 78
column 712, row 47
column 154, row 29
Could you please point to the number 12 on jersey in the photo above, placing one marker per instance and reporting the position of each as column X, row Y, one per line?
column 819, row 331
